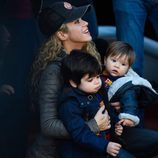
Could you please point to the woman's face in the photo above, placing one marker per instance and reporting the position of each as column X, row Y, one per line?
column 78, row 32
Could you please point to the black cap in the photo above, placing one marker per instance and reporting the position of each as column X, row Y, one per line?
column 51, row 18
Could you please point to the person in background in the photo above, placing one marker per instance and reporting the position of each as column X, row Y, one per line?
column 131, row 16
column 4, row 40
column 79, row 102
column 65, row 30
column 19, row 39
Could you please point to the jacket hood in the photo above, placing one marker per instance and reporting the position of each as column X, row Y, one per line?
column 131, row 77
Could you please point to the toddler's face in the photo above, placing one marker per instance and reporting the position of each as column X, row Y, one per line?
column 90, row 84
column 117, row 65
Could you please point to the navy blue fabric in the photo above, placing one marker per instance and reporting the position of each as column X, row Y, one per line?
column 130, row 18
column 77, row 107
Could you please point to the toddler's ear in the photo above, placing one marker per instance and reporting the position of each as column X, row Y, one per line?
column 72, row 83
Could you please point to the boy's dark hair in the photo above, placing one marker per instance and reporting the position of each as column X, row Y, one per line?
column 78, row 64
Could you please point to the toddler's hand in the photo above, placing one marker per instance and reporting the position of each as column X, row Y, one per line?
column 113, row 148
column 127, row 122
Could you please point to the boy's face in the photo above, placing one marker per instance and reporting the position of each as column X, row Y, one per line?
column 90, row 84
column 117, row 65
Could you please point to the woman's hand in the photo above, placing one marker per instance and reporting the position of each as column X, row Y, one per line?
column 103, row 119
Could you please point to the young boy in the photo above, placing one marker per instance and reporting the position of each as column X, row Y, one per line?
column 124, row 85
column 79, row 102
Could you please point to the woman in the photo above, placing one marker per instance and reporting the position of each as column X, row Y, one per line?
column 65, row 31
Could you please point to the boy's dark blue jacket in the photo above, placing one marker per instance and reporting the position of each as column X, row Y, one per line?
column 76, row 107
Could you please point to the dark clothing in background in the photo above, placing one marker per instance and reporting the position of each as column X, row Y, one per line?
column 22, row 40
column 131, row 15
column 16, row 9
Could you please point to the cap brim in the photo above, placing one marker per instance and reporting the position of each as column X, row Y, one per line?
column 77, row 13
